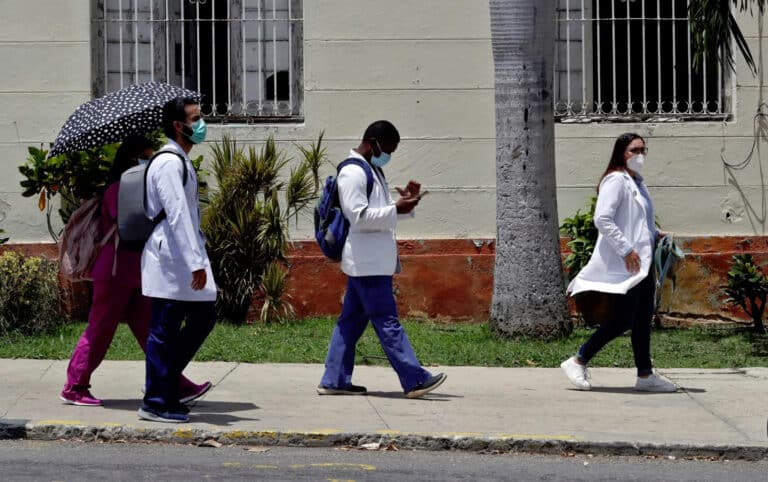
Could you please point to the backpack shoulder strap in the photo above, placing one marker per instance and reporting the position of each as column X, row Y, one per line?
column 365, row 166
column 161, row 215
column 657, row 255
column 181, row 158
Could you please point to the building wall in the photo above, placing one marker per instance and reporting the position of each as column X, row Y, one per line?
column 45, row 53
column 427, row 67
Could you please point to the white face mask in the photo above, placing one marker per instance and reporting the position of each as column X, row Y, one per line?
column 143, row 161
column 636, row 162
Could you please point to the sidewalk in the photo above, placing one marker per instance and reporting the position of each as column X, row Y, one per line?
column 721, row 413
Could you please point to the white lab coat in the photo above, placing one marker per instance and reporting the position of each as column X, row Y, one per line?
column 622, row 224
column 371, row 248
column 176, row 247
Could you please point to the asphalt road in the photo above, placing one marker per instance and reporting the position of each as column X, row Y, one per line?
column 69, row 461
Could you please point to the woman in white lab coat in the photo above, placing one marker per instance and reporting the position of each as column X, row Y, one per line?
column 620, row 265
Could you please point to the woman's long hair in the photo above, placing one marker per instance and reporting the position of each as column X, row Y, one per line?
column 127, row 156
column 617, row 162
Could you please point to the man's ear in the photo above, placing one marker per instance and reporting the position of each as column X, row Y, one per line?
column 179, row 126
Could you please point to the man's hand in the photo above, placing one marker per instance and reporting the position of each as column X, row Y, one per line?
column 406, row 204
column 411, row 190
column 199, row 279
column 413, row 187
column 632, row 262
column 409, row 197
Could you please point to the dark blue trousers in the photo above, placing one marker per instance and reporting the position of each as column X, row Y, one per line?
column 370, row 298
column 171, row 346
column 632, row 311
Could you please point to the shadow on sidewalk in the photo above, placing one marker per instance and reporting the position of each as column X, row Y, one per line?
column 431, row 397
column 218, row 419
column 203, row 411
column 211, row 406
column 630, row 390
column 219, row 412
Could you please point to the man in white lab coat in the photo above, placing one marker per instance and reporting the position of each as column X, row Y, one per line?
column 369, row 259
column 175, row 270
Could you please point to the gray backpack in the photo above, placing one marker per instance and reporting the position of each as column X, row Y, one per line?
column 133, row 225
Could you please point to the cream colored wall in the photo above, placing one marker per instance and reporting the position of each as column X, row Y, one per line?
column 692, row 191
column 427, row 67
column 45, row 54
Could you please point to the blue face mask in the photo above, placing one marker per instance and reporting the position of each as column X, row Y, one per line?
column 382, row 159
column 199, row 129
column 142, row 161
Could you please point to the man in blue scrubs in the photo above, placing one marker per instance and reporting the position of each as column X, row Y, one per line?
column 369, row 259
column 175, row 270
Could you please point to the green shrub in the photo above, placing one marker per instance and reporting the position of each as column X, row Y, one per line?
column 74, row 176
column 583, row 235
column 747, row 288
column 247, row 227
column 29, row 294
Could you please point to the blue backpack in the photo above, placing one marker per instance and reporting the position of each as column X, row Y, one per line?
column 331, row 227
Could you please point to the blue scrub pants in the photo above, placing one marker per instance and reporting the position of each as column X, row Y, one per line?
column 170, row 347
column 370, row 298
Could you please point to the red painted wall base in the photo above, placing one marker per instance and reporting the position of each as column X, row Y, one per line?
column 452, row 280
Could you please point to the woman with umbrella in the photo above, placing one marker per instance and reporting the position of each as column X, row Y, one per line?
column 116, row 292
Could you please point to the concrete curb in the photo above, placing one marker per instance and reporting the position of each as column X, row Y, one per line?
column 16, row 430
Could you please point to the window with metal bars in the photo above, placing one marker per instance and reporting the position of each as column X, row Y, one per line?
column 243, row 56
column 631, row 60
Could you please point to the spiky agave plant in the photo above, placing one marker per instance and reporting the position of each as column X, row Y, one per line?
column 247, row 228
column 316, row 155
column 276, row 306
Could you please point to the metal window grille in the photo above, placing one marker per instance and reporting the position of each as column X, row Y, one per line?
column 243, row 56
column 631, row 60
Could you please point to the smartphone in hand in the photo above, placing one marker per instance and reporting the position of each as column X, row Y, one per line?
column 413, row 188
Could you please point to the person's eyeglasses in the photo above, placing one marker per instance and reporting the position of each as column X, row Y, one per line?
column 639, row 150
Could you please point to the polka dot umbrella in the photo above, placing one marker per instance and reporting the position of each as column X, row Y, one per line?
column 136, row 109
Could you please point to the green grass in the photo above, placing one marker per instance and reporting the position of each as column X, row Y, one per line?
column 305, row 341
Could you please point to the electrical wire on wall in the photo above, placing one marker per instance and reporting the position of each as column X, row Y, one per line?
column 760, row 115
column 759, row 131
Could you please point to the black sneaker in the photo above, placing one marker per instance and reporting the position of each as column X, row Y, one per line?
column 349, row 390
column 426, row 387
column 153, row 415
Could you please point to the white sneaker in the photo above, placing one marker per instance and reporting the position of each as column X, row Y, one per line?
column 576, row 373
column 654, row 383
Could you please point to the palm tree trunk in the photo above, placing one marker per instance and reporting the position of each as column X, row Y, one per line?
column 528, row 291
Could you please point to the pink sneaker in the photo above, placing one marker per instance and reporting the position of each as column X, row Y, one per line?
column 194, row 392
column 82, row 398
